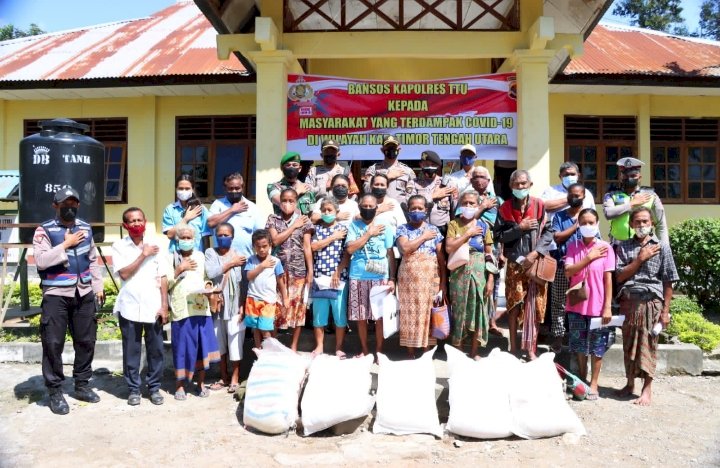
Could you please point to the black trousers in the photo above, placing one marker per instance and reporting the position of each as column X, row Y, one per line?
column 132, row 335
column 59, row 313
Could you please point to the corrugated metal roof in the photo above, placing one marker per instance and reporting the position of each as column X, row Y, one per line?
column 178, row 40
column 9, row 182
column 626, row 50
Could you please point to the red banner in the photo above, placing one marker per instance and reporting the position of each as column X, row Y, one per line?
column 439, row 115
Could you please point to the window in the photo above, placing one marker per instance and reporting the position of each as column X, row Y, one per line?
column 595, row 144
column 208, row 148
column 684, row 159
column 112, row 133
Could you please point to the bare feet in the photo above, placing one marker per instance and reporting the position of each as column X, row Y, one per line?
column 477, row 358
column 626, row 391
column 645, row 398
column 531, row 356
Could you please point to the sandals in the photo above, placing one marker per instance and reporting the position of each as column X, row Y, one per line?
column 232, row 388
column 180, row 395
column 592, row 396
column 219, row 385
column 340, row 355
column 202, row 392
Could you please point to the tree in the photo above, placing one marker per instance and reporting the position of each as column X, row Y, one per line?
column 710, row 19
column 11, row 32
column 659, row 15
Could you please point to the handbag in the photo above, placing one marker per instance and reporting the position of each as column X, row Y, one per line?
column 439, row 318
column 542, row 270
column 579, row 292
column 459, row 258
column 377, row 267
column 216, row 299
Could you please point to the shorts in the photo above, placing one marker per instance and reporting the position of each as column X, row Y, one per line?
column 230, row 337
column 321, row 310
column 260, row 314
column 585, row 341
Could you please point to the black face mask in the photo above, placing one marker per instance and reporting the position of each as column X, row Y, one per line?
column 330, row 158
column 391, row 153
column 630, row 183
column 68, row 213
column 340, row 192
column 368, row 214
column 291, row 172
column 575, row 202
column 429, row 171
column 379, row 192
column 234, row 197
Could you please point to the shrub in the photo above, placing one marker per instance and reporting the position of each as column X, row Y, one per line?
column 696, row 248
column 689, row 325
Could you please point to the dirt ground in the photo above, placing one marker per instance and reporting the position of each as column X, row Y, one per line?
column 682, row 428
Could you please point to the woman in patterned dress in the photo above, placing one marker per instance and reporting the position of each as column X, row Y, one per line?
column 470, row 284
column 291, row 234
column 421, row 275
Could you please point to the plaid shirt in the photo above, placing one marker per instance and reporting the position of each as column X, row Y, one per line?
column 652, row 273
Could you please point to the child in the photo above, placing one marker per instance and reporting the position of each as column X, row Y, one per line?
column 291, row 235
column 328, row 244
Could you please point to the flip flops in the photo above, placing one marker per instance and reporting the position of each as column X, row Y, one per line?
column 202, row 392
column 180, row 395
column 219, row 385
column 232, row 388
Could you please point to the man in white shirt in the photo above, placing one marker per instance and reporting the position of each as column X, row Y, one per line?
column 555, row 196
column 237, row 210
column 141, row 305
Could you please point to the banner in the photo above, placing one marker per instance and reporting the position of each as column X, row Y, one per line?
column 439, row 115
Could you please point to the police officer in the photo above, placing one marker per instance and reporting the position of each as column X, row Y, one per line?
column 71, row 280
column 617, row 204
column 320, row 177
column 401, row 179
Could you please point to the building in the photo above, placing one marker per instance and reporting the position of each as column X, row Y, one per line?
column 159, row 97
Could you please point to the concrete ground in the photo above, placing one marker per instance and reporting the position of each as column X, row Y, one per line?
column 682, row 428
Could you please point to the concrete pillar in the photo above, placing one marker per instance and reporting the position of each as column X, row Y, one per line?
column 534, row 115
column 643, row 138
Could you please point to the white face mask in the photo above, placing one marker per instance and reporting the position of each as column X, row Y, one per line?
column 468, row 212
column 183, row 195
column 589, row 230
column 643, row 232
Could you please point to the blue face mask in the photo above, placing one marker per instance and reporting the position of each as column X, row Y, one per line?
column 186, row 245
column 567, row 181
column 521, row 194
column 417, row 216
column 223, row 242
column 467, row 160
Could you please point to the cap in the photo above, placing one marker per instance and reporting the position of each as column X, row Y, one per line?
column 431, row 156
column 329, row 144
column 628, row 165
column 390, row 140
column 290, row 156
column 65, row 193
column 470, row 148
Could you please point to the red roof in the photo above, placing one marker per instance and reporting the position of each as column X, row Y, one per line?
column 178, row 40
column 626, row 50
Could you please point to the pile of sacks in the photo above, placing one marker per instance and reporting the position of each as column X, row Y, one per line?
column 495, row 397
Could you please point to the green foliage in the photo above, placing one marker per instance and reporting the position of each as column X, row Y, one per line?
column 11, row 32
column 710, row 19
column 696, row 248
column 690, row 326
column 659, row 15
column 35, row 295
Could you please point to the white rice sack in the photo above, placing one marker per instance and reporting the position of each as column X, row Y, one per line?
column 337, row 391
column 273, row 388
column 406, row 397
column 538, row 402
column 480, row 394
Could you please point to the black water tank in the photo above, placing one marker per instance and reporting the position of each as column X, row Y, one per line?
column 57, row 157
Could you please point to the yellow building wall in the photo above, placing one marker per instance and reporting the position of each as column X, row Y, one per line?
column 398, row 69
column 151, row 140
column 643, row 107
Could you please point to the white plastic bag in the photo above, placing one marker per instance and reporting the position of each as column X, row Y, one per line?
column 480, row 394
column 384, row 305
column 538, row 402
column 273, row 388
column 406, row 397
column 337, row 390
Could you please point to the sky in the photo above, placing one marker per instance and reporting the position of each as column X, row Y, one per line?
column 59, row 15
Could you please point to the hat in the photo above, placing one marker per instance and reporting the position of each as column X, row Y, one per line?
column 329, row 144
column 290, row 156
column 431, row 156
column 629, row 165
column 470, row 148
column 65, row 193
column 390, row 140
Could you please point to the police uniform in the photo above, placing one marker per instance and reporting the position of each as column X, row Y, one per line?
column 617, row 208
column 440, row 211
column 399, row 189
column 320, row 177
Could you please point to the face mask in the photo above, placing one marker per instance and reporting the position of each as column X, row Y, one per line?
column 417, row 216
column 567, row 181
column 328, row 217
column 643, row 232
column 183, row 195
column 135, row 231
column 340, row 192
column 291, row 172
column 68, row 213
column 589, row 230
column 329, row 159
column 391, row 153
column 368, row 214
column 575, row 202
column 468, row 212
column 630, row 183
column 467, row 160
column 223, row 242
column 234, row 197
column 429, row 171
column 379, row 192
column 521, row 194
column 186, row 245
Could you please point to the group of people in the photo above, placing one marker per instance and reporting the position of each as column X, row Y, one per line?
column 327, row 245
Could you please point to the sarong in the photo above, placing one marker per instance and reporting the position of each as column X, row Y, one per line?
column 194, row 345
column 293, row 316
column 639, row 345
column 467, row 300
column 418, row 282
